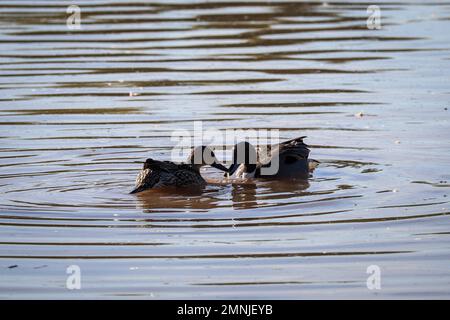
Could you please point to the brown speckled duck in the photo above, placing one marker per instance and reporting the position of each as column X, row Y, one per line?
column 157, row 174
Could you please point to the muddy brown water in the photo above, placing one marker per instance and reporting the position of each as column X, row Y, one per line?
column 373, row 103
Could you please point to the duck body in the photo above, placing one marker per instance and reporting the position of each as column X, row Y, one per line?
column 157, row 174
column 291, row 155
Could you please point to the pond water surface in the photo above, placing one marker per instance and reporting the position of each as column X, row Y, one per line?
column 81, row 109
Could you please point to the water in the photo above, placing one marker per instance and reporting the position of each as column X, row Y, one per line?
column 80, row 111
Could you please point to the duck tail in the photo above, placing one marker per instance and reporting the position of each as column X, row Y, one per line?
column 313, row 164
column 296, row 147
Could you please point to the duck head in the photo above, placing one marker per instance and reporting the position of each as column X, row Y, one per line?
column 244, row 153
column 145, row 179
column 202, row 156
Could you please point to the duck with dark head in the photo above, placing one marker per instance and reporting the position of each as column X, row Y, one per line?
column 157, row 174
column 288, row 159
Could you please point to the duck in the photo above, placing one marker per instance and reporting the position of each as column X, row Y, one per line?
column 291, row 155
column 157, row 174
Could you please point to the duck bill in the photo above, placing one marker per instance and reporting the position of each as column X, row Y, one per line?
column 137, row 189
column 219, row 166
column 232, row 169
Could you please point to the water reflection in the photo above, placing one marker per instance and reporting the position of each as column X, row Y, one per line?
column 243, row 196
column 235, row 194
column 168, row 199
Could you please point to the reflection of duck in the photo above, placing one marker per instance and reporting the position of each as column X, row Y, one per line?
column 157, row 174
column 285, row 160
column 244, row 196
column 249, row 193
column 281, row 189
column 195, row 199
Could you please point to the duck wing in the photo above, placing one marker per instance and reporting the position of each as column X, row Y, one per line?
column 292, row 148
column 157, row 165
column 174, row 174
column 153, row 174
column 291, row 156
column 157, row 174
